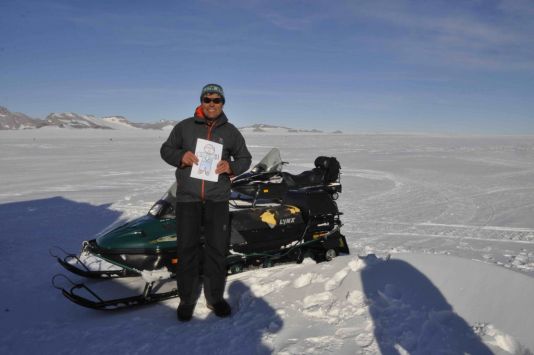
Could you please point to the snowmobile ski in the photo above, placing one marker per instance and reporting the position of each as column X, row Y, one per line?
column 98, row 303
column 67, row 262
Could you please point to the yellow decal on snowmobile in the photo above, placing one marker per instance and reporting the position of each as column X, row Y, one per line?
column 269, row 218
column 293, row 209
column 167, row 238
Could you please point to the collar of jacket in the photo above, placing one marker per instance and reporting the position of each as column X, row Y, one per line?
column 201, row 119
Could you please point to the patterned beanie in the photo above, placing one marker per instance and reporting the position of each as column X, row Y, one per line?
column 212, row 89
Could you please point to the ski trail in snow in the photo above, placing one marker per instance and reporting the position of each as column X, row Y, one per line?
column 466, row 226
column 488, row 233
column 529, row 241
column 479, row 240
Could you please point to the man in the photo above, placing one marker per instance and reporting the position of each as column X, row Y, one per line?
column 204, row 203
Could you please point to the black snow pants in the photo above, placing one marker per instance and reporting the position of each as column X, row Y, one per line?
column 194, row 258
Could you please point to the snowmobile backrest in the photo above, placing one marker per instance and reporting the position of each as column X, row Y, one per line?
column 331, row 167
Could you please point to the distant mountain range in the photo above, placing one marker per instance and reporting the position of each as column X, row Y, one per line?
column 265, row 128
column 16, row 121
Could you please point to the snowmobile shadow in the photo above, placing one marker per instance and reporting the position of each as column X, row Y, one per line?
column 53, row 220
column 28, row 229
column 410, row 313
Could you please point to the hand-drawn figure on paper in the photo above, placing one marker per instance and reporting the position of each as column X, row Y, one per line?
column 207, row 158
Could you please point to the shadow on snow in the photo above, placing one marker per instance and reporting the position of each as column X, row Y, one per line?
column 30, row 305
column 410, row 313
column 53, row 220
column 253, row 321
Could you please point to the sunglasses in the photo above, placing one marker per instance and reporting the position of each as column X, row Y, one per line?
column 207, row 100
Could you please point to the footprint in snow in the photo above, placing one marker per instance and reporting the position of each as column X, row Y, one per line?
column 308, row 278
column 263, row 290
column 337, row 279
column 344, row 333
column 355, row 298
column 364, row 339
column 303, row 280
column 318, row 299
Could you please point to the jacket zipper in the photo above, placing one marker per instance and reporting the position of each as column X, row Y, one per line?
column 208, row 138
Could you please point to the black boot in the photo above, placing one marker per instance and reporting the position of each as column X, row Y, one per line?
column 221, row 309
column 185, row 311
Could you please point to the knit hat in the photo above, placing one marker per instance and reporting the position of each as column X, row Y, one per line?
column 212, row 89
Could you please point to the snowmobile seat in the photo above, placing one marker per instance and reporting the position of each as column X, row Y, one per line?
column 267, row 190
column 312, row 177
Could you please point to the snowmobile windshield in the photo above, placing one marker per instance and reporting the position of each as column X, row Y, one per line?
column 164, row 207
column 270, row 162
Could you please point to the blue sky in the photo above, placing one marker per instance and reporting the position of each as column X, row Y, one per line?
column 359, row 66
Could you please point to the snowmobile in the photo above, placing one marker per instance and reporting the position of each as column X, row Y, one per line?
column 275, row 217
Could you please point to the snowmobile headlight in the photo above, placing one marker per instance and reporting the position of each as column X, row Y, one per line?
column 156, row 209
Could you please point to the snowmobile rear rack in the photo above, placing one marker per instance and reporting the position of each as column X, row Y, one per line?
column 147, row 297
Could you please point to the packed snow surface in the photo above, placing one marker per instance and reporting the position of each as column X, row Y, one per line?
column 455, row 215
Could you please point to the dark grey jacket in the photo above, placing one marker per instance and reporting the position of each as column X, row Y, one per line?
column 183, row 138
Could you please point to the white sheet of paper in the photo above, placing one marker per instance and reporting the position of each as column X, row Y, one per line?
column 209, row 154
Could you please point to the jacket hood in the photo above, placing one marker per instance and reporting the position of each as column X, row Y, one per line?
column 200, row 118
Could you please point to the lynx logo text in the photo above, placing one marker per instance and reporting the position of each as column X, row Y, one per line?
column 284, row 221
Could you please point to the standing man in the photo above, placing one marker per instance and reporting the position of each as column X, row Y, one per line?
column 204, row 203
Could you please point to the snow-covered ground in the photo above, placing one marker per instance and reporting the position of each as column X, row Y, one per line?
column 455, row 213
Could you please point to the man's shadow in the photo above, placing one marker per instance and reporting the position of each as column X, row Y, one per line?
column 409, row 312
column 248, row 330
